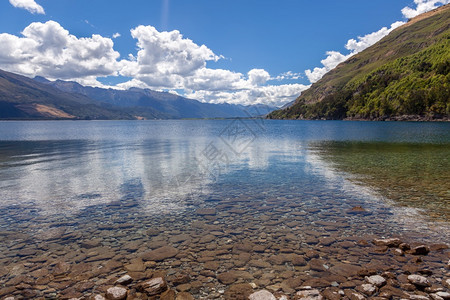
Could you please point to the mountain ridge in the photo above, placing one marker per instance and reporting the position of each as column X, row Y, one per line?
column 171, row 105
column 23, row 98
column 403, row 76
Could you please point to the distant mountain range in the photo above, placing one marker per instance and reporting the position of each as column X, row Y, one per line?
column 25, row 98
column 405, row 76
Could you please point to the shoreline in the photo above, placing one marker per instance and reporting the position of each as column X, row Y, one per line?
column 404, row 118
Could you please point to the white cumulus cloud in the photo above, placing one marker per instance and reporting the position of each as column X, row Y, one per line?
column 274, row 95
column 334, row 58
column 363, row 42
column 168, row 52
column 422, row 6
column 168, row 60
column 163, row 61
column 258, row 76
column 29, row 5
column 49, row 50
column 368, row 40
column 289, row 75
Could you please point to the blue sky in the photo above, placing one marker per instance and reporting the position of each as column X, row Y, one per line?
column 214, row 51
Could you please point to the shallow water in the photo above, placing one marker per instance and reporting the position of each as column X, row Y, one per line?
column 66, row 182
column 408, row 174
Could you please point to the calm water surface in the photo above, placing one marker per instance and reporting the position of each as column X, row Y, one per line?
column 88, row 177
column 63, row 167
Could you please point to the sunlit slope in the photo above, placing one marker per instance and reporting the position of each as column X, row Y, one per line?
column 406, row 73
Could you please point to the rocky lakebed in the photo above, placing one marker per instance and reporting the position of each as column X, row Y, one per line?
column 237, row 247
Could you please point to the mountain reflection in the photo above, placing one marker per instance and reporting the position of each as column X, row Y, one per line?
column 66, row 176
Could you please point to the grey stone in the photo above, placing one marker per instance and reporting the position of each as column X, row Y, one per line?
column 367, row 289
column 124, row 280
column 116, row 293
column 309, row 294
column 419, row 280
column 262, row 295
column 376, row 280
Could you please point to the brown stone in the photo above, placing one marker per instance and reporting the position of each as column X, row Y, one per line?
column 352, row 295
column 317, row 283
column 438, row 247
column 52, row 234
column 184, row 296
column 366, row 272
column 184, row 287
column 259, row 248
column 420, row 250
column 294, row 282
column 238, row 291
column 179, row 278
column 317, row 265
column 153, row 286
column 136, row 265
column 160, row 253
column 345, row 244
column 259, row 263
column 168, row 295
column 331, row 294
column 206, row 211
column 7, row 290
column 279, row 259
column 244, row 247
column 327, row 241
column 153, row 231
column 179, row 238
column 298, row 260
column 346, row 270
column 61, row 268
column 390, row 292
column 227, row 277
column 88, row 244
column 212, row 265
column 39, row 273
column 392, row 242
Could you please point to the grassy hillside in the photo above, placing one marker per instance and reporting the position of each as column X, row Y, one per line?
column 406, row 73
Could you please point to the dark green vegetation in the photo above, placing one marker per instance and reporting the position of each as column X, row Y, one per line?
column 411, row 175
column 407, row 73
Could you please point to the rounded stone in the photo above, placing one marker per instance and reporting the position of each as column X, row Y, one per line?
column 419, row 280
column 116, row 293
column 262, row 295
column 376, row 280
column 124, row 280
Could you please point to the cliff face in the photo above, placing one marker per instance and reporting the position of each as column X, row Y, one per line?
column 404, row 74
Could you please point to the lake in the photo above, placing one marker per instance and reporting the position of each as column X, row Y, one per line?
column 102, row 194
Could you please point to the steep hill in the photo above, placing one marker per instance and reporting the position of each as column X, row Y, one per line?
column 406, row 75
